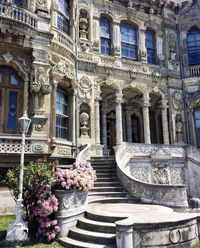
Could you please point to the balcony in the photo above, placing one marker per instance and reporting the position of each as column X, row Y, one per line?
column 62, row 41
column 18, row 14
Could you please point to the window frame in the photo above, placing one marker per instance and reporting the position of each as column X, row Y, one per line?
column 131, row 46
column 61, row 115
column 194, row 50
column 105, row 38
column 151, row 50
column 63, row 17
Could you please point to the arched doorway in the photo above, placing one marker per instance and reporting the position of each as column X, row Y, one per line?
column 11, row 99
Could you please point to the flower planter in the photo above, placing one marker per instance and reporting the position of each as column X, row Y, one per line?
column 72, row 205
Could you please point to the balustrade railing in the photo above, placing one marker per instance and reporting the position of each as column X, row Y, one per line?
column 195, row 70
column 151, row 192
column 18, row 14
column 63, row 39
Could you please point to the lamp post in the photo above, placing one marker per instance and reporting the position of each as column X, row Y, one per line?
column 18, row 230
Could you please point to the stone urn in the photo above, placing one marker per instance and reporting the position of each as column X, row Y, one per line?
column 72, row 205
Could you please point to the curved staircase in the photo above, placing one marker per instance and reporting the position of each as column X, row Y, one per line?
column 93, row 230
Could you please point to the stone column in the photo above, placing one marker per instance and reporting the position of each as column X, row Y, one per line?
column 104, row 128
column 97, row 117
column 119, row 128
column 116, row 38
column 146, row 121
column 165, row 122
column 142, row 44
column 128, row 126
column 53, row 111
column 74, row 117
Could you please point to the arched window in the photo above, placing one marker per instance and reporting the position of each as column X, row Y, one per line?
column 105, row 36
column 197, row 126
column 63, row 15
column 193, row 45
column 62, row 114
column 151, row 47
column 129, row 41
column 11, row 100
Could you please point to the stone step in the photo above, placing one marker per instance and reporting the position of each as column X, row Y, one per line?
column 91, row 215
column 98, row 226
column 71, row 243
column 114, row 199
column 107, row 194
column 92, row 237
column 107, row 179
column 103, row 158
column 106, row 170
column 106, row 174
column 104, row 165
column 107, row 189
column 106, row 184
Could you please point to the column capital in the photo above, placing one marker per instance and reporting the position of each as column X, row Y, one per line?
column 115, row 22
column 164, row 103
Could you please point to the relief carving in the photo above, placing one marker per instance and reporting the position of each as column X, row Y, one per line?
column 161, row 176
column 64, row 68
column 85, row 89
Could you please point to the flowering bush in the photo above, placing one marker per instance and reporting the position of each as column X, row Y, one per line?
column 81, row 177
column 40, row 181
column 38, row 200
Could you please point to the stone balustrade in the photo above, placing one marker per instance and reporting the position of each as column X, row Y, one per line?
column 18, row 14
column 151, row 192
column 194, row 70
column 12, row 145
column 63, row 40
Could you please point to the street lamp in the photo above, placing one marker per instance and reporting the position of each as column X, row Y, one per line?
column 18, row 230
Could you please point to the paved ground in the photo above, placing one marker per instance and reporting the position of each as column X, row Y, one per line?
column 140, row 213
column 7, row 203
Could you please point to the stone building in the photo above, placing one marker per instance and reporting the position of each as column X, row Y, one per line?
column 98, row 72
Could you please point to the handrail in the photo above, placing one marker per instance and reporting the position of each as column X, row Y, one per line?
column 163, row 194
column 18, row 14
column 84, row 155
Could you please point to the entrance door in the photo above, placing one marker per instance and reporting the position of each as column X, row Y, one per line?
column 111, row 131
column 11, row 100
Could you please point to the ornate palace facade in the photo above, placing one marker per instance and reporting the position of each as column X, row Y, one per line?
column 98, row 72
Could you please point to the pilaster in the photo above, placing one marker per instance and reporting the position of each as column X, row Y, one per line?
column 116, row 38
column 142, row 44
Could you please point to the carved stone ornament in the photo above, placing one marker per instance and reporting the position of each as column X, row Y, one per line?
column 160, row 154
column 177, row 100
column 193, row 99
column 172, row 47
column 41, row 83
column 84, row 121
column 64, row 68
column 161, row 176
column 8, row 57
column 85, row 89
column 42, row 4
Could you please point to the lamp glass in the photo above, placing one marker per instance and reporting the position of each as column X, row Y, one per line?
column 24, row 122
